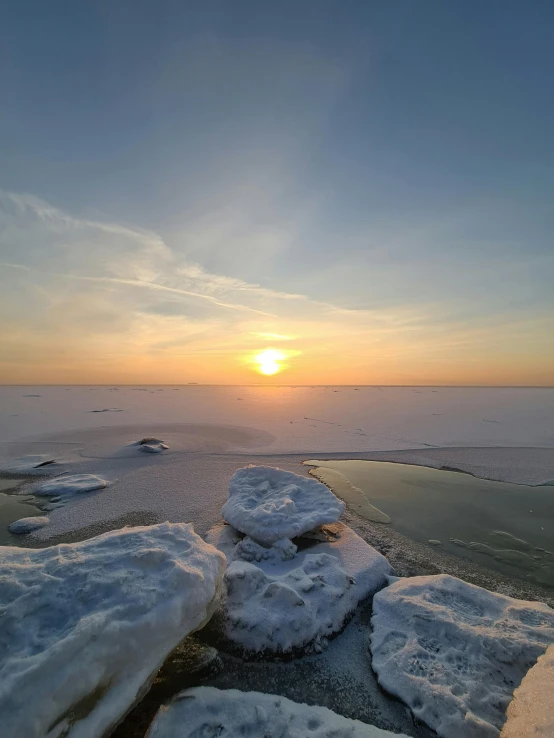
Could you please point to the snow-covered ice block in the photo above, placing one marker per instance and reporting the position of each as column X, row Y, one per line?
column 237, row 547
column 67, row 486
column 153, row 448
column 531, row 712
column 207, row 711
column 281, row 605
column 268, row 504
column 27, row 525
column 85, row 626
column 455, row 652
column 152, row 445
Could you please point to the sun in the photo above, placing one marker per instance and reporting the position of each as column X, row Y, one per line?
column 268, row 361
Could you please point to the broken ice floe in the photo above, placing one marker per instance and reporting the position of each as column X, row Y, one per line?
column 207, row 711
column 269, row 504
column 531, row 712
column 85, row 626
column 282, row 600
column 455, row 652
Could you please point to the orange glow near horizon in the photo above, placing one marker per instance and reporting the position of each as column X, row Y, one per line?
column 268, row 362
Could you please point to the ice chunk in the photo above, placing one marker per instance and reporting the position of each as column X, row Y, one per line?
column 268, row 504
column 85, row 626
column 279, row 606
column 67, row 486
column 152, row 445
column 27, row 525
column 455, row 652
column 249, row 550
column 153, row 448
column 531, row 712
column 207, row 711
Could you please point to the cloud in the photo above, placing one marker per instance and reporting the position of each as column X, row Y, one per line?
column 97, row 301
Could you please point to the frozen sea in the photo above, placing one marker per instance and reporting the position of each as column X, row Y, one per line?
column 499, row 434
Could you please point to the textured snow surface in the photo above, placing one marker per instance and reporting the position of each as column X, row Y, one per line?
column 455, row 652
column 277, row 604
column 85, row 626
column 268, row 504
column 26, row 525
column 531, row 712
column 228, row 713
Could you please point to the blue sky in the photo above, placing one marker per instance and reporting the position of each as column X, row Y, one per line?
column 391, row 161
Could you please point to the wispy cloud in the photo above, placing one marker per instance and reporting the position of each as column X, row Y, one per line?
column 98, row 301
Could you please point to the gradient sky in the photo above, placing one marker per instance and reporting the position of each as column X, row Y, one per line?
column 366, row 187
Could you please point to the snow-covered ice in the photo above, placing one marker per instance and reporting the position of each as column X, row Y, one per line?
column 283, row 602
column 28, row 464
column 85, row 626
column 308, row 419
column 27, row 525
column 531, row 713
column 455, row 652
column 207, row 711
column 237, row 547
column 152, row 445
column 68, row 486
column 268, row 504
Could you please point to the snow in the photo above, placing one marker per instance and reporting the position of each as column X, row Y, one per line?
column 27, row 525
column 531, row 712
column 281, row 603
column 237, row 547
column 454, row 652
column 207, row 711
column 28, row 464
column 388, row 424
column 268, row 504
column 305, row 419
column 85, row 626
column 68, row 486
column 152, row 445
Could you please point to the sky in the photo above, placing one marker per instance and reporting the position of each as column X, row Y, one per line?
column 362, row 189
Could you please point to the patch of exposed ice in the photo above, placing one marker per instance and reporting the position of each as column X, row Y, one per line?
column 27, row 525
column 268, row 504
column 531, row 713
column 207, row 711
column 85, row 626
column 68, row 486
column 279, row 605
column 455, row 652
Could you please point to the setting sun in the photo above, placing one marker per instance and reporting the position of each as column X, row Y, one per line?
column 268, row 361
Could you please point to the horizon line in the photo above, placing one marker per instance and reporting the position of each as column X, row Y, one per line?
column 201, row 384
